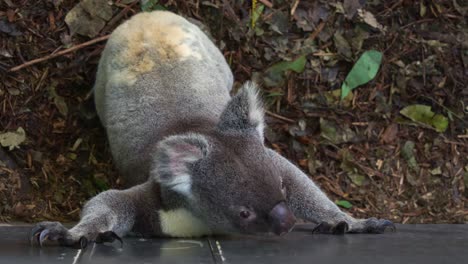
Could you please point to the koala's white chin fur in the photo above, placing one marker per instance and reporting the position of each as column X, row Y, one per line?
column 182, row 223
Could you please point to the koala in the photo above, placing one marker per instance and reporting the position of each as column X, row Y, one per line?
column 193, row 156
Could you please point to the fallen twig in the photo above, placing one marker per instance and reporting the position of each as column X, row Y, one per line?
column 280, row 117
column 119, row 16
column 293, row 9
column 60, row 53
column 317, row 30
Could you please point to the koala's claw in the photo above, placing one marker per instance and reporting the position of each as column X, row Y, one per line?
column 109, row 237
column 35, row 234
column 44, row 235
column 326, row 228
column 54, row 231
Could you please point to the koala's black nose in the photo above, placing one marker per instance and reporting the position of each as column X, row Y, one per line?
column 282, row 219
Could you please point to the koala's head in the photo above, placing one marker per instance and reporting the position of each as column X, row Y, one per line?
column 226, row 176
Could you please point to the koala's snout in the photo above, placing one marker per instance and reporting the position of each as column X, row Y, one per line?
column 282, row 219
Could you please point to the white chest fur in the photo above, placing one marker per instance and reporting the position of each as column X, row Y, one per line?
column 182, row 223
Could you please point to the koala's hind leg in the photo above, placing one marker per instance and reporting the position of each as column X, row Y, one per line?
column 105, row 218
column 309, row 203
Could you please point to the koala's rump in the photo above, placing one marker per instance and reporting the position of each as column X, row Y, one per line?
column 157, row 70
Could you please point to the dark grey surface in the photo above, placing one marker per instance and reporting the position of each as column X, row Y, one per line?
column 423, row 244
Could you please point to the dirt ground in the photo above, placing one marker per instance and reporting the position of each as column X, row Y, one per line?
column 370, row 158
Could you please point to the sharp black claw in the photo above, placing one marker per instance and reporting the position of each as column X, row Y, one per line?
column 83, row 242
column 43, row 236
column 34, row 234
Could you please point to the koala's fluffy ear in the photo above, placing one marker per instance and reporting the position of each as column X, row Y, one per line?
column 244, row 112
column 174, row 158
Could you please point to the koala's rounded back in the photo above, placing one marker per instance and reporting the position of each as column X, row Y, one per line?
column 158, row 72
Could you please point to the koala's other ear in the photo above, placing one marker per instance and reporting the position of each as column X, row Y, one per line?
column 244, row 112
column 174, row 158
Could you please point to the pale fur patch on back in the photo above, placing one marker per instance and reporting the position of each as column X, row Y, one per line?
column 182, row 223
column 256, row 112
column 148, row 39
column 163, row 31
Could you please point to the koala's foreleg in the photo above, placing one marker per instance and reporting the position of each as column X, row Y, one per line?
column 309, row 203
column 105, row 218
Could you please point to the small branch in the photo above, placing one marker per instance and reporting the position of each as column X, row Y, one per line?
column 457, row 143
column 294, row 7
column 119, row 16
column 317, row 30
column 417, row 22
column 280, row 117
column 60, row 53
column 360, row 123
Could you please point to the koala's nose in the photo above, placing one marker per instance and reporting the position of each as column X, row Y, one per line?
column 282, row 219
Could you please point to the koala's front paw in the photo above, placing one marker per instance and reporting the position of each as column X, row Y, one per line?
column 374, row 226
column 55, row 231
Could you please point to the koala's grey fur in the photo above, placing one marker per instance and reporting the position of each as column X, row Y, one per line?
column 194, row 156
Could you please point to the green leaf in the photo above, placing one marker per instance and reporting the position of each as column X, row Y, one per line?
column 344, row 204
column 436, row 171
column 357, row 178
column 440, row 123
column 59, row 101
column 296, row 65
column 274, row 76
column 100, row 183
column 336, row 134
column 333, row 98
column 328, row 130
column 351, row 169
column 423, row 115
column 408, row 154
column 274, row 94
column 363, row 71
column 256, row 14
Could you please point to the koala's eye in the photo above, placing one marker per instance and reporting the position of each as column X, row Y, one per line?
column 244, row 214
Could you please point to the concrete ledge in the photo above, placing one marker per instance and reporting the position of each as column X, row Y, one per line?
column 413, row 244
